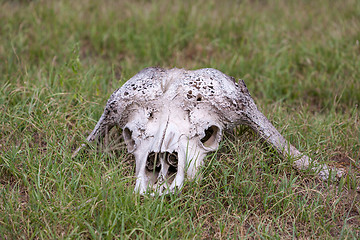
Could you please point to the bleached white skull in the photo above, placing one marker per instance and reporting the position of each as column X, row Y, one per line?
column 172, row 118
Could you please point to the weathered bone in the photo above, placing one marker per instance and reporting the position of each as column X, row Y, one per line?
column 172, row 118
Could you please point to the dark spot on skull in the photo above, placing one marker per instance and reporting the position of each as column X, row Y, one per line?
column 198, row 98
column 151, row 115
column 241, row 107
column 189, row 94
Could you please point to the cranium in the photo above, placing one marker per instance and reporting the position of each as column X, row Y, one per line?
column 172, row 118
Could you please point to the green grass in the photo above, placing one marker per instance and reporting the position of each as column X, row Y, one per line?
column 61, row 60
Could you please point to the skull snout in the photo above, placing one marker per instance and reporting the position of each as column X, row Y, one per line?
column 161, row 170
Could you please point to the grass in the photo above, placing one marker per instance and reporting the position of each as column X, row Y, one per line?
column 60, row 61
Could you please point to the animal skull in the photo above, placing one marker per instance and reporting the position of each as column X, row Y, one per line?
column 172, row 118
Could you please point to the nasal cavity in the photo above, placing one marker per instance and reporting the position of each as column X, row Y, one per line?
column 153, row 162
column 172, row 159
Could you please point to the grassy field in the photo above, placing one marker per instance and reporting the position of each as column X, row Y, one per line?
column 61, row 60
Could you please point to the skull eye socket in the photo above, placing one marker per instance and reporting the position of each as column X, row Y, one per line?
column 210, row 140
column 130, row 143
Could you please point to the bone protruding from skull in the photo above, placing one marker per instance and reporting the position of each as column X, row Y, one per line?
column 171, row 119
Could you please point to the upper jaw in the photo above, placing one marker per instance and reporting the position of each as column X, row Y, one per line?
column 160, row 173
column 164, row 172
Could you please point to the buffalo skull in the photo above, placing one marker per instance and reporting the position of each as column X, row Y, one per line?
column 172, row 118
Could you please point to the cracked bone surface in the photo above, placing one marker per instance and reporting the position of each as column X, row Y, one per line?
column 172, row 118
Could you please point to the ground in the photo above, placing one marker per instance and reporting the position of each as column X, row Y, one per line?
column 61, row 60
